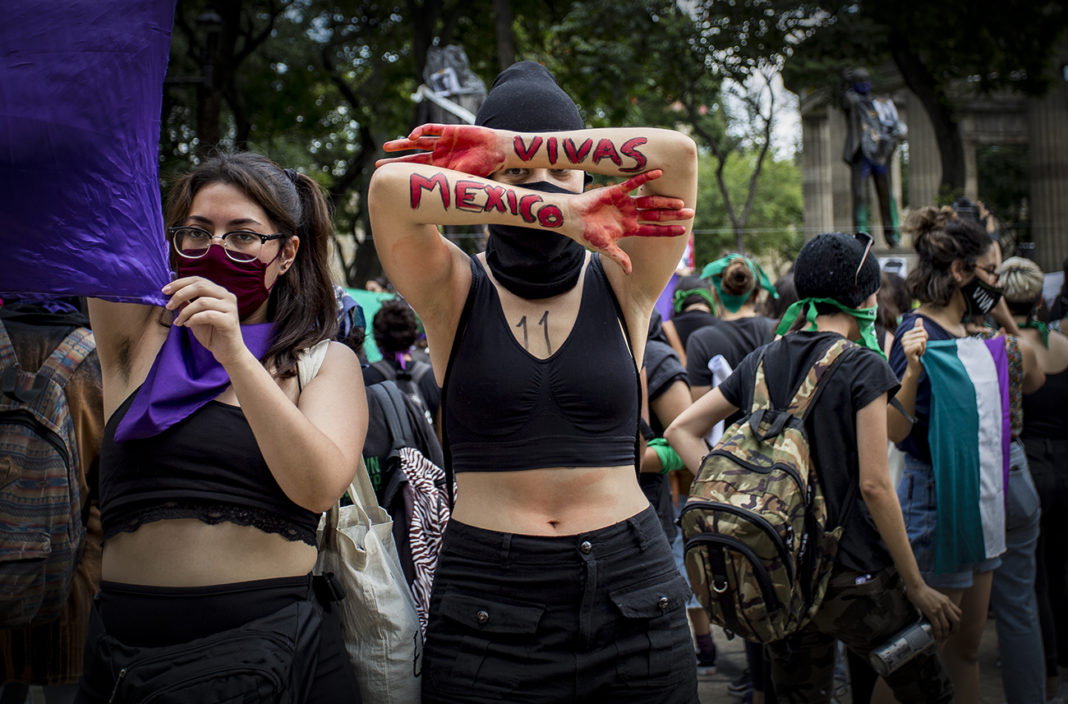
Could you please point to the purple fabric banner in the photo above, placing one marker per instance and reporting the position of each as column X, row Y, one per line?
column 81, row 88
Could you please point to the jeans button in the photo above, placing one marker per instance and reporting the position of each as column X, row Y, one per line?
column 482, row 617
column 586, row 547
column 663, row 603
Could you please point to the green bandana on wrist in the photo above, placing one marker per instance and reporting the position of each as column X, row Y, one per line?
column 865, row 318
column 682, row 295
column 669, row 459
column 733, row 302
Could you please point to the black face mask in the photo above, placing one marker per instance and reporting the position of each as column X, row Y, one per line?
column 534, row 263
column 979, row 296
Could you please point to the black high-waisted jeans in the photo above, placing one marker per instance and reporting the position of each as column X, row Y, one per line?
column 594, row 617
column 145, row 616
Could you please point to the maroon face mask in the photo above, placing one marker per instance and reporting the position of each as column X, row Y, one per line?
column 246, row 280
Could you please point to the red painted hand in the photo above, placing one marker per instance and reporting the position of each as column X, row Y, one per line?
column 609, row 214
column 478, row 151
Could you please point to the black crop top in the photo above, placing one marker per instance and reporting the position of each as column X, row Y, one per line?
column 505, row 409
column 1045, row 414
column 207, row 466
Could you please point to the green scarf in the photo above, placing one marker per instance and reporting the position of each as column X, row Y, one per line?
column 1042, row 328
column 865, row 318
column 732, row 302
column 682, row 295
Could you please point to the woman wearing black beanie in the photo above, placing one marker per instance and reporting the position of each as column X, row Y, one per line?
column 875, row 588
column 555, row 581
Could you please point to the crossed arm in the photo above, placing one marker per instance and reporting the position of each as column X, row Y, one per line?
column 444, row 184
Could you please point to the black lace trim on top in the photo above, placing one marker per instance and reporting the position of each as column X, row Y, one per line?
column 212, row 514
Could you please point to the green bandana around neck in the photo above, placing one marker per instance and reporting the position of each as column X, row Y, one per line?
column 733, row 302
column 865, row 318
column 1043, row 330
column 682, row 295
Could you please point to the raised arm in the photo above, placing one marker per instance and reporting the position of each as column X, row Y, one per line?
column 128, row 336
column 409, row 200
column 620, row 152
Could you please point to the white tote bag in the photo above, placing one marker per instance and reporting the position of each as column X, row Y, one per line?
column 378, row 617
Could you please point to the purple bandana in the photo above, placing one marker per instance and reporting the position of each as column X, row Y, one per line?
column 184, row 377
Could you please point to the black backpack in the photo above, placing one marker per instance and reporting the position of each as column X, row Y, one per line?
column 407, row 380
column 410, row 485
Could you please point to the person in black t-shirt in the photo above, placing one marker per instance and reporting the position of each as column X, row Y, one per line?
column 875, row 576
column 694, row 308
column 737, row 281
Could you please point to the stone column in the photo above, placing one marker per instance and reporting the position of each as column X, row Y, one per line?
column 925, row 164
column 817, row 153
column 1047, row 126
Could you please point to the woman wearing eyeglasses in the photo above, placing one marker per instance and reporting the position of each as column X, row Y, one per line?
column 218, row 460
column 952, row 491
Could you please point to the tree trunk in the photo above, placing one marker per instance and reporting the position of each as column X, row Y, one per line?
column 937, row 106
column 502, row 22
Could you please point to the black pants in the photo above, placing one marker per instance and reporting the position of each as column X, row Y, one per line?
column 595, row 617
column 1048, row 460
column 863, row 616
column 144, row 616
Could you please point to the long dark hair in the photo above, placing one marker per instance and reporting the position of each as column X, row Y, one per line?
column 302, row 304
column 940, row 238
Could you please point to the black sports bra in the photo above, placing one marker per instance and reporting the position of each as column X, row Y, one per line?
column 207, row 466
column 506, row 409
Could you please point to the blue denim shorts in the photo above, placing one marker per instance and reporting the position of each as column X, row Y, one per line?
column 916, row 492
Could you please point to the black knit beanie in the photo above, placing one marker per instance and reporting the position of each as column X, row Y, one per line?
column 525, row 98
column 826, row 267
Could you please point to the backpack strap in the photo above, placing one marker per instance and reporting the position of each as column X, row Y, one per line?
column 810, row 386
column 761, row 395
column 386, row 368
column 68, row 355
column 397, row 416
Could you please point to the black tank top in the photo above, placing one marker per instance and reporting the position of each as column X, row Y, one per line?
column 207, row 466
column 1045, row 413
column 505, row 409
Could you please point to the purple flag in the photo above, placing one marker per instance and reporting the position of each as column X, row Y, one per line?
column 81, row 86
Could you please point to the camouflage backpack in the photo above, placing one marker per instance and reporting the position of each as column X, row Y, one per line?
column 41, row 526
column 758, row 549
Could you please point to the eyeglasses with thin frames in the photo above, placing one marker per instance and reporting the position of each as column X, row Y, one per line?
column 868, row 241
column 239, row 245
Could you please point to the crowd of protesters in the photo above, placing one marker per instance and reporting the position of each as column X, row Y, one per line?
column 572, row 417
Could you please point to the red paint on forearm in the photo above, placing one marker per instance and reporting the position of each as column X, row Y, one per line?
column 495, row 199
column 550, row 148
column 525, row 204
column 606, row 150
column 465, row 194
column 550, row 216
column 630, row 148
column 466, row 191
column 417, row 183
column 524, row 152
column 577, row 153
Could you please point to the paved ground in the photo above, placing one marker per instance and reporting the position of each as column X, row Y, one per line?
column 730, row 661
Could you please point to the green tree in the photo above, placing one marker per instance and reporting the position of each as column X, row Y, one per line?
column 774, row 230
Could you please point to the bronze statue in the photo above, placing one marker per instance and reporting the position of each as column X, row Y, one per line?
column 874, row 131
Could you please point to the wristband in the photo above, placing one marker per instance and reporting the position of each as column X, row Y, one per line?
column 669, row 459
